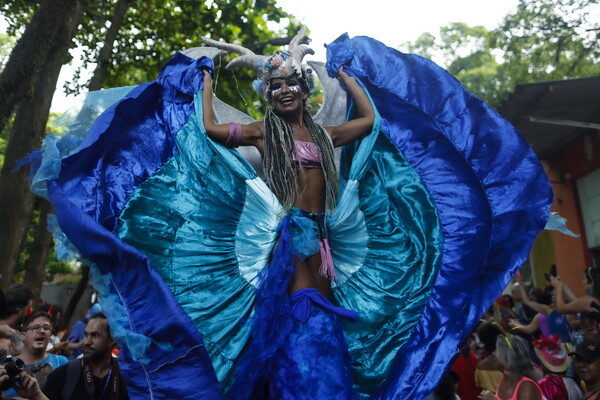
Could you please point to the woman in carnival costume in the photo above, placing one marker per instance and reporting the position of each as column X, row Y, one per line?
column 209, row 276
column 294, row 337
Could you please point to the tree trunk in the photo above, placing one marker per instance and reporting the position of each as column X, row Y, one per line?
column 105, row 55
column 79, row 291
column 29, row 127
column 38, row 254
column 18, row 75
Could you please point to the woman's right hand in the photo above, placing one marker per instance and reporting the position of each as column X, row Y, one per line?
column 486, row 395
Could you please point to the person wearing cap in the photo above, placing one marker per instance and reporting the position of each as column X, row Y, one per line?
column 554, row 358
column 587, row 367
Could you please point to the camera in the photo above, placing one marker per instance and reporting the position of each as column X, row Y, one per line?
column 13, row 366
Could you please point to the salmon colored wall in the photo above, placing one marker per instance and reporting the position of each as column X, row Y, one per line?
column 576, row 160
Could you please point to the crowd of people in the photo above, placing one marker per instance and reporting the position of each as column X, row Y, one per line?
column 44, row 360
column 534, row 343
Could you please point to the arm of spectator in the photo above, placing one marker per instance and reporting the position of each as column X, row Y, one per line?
column 14, row 342
column 530, row 328
column 581, row 304
column 568, row 294
column 486, row 395
column 534, row 305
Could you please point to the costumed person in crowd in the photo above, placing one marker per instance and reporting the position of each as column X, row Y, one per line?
column 553, row 355
column 434, row 207
column 518, row 382
column 568, row 303
column 291, row 338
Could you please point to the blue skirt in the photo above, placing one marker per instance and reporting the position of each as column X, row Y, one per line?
column 297, row 348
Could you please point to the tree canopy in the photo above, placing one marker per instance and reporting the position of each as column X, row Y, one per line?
column 542, row 40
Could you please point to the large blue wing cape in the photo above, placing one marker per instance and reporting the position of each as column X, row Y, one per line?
column 439, row 207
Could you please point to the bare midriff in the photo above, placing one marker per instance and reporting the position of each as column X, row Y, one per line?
column 312, row 199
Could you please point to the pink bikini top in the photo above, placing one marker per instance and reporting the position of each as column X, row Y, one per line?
column 307, row 154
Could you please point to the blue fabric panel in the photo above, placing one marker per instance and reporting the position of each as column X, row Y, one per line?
column 126, row 144
column 490, row 190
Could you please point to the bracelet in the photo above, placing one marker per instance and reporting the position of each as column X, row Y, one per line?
column 235, row 135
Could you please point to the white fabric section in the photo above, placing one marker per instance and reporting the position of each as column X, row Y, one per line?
column 257, row 229
column 348, row 234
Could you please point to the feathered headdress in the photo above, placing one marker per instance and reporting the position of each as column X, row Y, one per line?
column 279, row 65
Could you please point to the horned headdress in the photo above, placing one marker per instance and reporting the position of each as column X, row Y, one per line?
column 279, row 65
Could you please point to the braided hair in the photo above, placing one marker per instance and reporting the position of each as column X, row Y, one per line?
column 278, row 163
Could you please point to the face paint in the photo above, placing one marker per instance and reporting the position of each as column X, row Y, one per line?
column 293, row 86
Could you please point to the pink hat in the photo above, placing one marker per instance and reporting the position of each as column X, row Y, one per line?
column 552, row 353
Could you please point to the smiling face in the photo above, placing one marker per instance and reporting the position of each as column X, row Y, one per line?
column 287, row 94
column 36, row 336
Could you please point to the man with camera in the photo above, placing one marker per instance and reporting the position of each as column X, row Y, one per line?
column 24, row 384
column 96, row 376
column 35, row 334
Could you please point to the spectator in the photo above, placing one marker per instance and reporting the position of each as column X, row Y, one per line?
column 77, row 332
column 17, row 304
column 587, row 367
column 488, row 373
column 55, row 345
column 464, row 367
column 68, row 382
column 518, row 383
column 35, row 334
column 590, row 326
column 547, row 320
column 552, row 353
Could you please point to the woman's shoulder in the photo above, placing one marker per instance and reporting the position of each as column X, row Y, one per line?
column 528, row 389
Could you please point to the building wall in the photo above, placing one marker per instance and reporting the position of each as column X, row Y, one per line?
column 575, row 160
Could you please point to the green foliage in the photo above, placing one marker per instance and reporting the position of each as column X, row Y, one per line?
column 7, row 42
column 154, row 30
column 541, row 40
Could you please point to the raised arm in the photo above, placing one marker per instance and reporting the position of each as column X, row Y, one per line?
column 251, row 134
column 359, row 127
column 530, row 328
column 534, row 305
column 581, row 304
